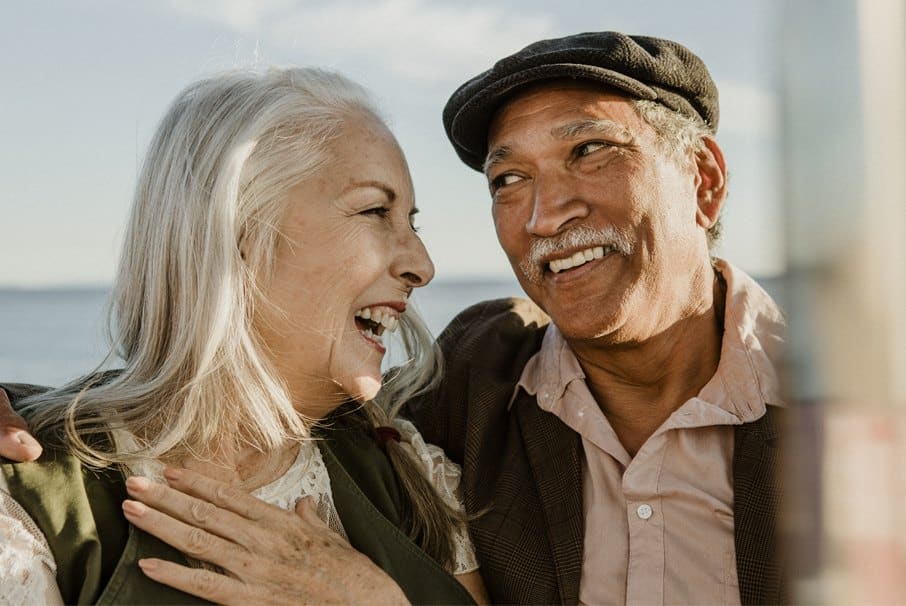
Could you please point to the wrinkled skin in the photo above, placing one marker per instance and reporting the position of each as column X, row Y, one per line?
column 266, row 549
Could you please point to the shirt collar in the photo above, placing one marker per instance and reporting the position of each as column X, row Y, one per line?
column 751, row 349
column 746, row 378
column 550, row 371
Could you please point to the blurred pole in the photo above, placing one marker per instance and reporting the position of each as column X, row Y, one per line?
column 844, row 91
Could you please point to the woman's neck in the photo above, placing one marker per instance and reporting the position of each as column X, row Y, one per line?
column 246, row 467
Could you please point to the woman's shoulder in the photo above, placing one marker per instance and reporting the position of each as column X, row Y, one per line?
column 27, row 566
column 51, row 485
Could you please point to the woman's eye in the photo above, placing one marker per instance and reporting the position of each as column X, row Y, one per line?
column 589, row 148
column 412, row 214
column 377, row 211
column 504, row 180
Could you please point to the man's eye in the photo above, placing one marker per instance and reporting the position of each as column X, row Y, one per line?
column 589, row 148
column 504, row 180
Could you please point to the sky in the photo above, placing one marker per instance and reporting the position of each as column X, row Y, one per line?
column 85, row 83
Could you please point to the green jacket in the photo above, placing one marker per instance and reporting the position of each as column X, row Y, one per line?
column 79, row 511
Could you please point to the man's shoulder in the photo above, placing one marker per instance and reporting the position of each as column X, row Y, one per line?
column 485, row 348
column 509, row 320
column 498, row 329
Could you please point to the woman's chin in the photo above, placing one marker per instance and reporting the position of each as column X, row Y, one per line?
column 363, row 389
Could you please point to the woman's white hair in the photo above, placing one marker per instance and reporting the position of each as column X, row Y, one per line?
column 197, row 254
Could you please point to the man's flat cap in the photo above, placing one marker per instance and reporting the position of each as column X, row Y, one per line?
column 638, row 66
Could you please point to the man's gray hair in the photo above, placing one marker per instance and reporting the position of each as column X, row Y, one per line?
column 678, row 135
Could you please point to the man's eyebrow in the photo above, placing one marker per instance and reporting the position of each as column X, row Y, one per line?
column 591, row 126
column 388, row 191
column 495, row 156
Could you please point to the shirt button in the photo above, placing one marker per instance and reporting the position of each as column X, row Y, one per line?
column 644, row 511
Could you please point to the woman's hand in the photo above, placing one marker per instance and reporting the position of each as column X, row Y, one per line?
column 16, row 443
column 269, row 555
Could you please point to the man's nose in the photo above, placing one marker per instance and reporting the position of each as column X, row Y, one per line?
column 555, row 205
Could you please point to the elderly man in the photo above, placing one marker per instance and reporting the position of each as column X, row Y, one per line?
column 624, row 451
column 617, row 436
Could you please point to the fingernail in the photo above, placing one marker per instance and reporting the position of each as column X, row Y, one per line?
column 26, row 439
column 137, row 483
column 147, row 565
column 134, row 508
column 172, row 474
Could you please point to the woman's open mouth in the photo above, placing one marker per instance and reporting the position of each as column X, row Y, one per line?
column 373, row 322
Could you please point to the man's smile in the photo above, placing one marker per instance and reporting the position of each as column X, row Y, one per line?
column 578, row 258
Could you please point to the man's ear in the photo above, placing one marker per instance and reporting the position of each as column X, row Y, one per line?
column 711, row 182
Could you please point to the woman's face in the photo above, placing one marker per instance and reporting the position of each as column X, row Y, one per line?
column 346, row 262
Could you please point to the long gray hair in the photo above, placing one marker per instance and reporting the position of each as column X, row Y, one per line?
column 198, row 250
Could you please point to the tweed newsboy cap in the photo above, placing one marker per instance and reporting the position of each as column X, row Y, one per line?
column 639, row 66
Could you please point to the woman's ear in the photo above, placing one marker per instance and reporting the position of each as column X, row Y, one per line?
column 712, row 182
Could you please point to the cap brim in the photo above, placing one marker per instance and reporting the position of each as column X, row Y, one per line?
column 469, row 125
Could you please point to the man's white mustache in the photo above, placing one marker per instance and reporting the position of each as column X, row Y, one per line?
column 577, row 238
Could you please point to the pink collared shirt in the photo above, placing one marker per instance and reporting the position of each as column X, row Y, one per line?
column 659, row 526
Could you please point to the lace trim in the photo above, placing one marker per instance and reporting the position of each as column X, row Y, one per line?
column 445, row 475
column 306, row 477
column 27, row 567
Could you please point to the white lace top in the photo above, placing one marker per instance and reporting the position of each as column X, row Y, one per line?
column 28, row 570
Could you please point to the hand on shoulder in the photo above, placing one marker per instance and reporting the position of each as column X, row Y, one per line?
column 16, row 443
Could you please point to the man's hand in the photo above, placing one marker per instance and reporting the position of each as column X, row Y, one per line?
column 15, row 441
column 269, row 555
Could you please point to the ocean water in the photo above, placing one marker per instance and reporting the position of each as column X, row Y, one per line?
column 51, row 336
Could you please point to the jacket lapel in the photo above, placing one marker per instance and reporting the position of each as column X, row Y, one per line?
column 555, row 457
column 369, row 530
column 756, row 505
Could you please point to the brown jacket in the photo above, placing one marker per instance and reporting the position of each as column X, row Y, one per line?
column 522, row 466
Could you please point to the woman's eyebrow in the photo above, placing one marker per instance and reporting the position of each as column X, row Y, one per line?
column 388, row 191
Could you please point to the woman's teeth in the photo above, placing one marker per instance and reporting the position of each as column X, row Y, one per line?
column 373, row 322
column 580, row 258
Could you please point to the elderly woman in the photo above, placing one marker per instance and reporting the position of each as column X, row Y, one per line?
column 270, row 253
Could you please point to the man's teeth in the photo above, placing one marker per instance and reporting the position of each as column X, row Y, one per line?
column 580, row 258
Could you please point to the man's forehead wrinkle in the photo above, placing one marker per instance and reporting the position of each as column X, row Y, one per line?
column 590, row 126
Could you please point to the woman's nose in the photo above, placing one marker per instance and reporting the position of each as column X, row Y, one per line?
column 414, row 267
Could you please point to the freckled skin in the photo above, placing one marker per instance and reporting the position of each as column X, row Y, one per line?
column 339, row 254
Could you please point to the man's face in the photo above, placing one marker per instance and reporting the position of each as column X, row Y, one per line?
column 603, row 228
